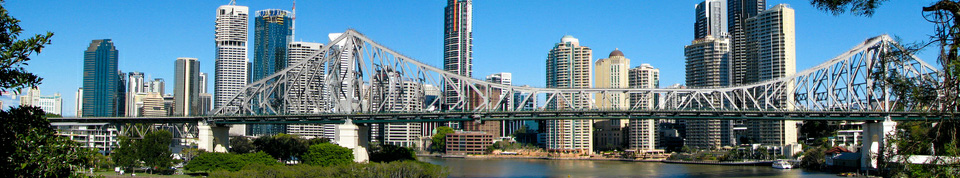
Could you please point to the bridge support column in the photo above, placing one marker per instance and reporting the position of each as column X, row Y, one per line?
column 213, row 138
column 875, row 134
column 355, row 138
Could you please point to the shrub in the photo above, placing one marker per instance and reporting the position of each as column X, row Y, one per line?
column 328, row 154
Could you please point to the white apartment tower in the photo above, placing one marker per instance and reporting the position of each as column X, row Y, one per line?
column 771, row 42
column 642, row 133
column 611, row 73
column 231, row 58
column 135, row 85
column 306, row 94
column 457, row 47
column 569, row 66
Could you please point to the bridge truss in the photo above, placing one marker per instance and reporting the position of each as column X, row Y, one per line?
column 354, row 74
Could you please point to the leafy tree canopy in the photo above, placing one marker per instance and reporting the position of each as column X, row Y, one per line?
column 328, row 154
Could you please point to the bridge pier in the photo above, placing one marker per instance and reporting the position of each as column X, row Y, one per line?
column 213, row 138
column 355, row 138
column 875, row 134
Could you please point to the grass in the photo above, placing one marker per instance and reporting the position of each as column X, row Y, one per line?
column 139, row 174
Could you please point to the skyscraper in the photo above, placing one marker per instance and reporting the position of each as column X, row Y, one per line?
column 457, row 47
column 642, row 133
column 100, row 79
column 569, row 66
column 135, row 85
column 231, row 58
column 771, row 40
column 508, row 103
column 711, row 19
column 611, row 73
column 271, row 37
column 303, row 92
column 738, row 11
column 272, row 34
column 186, row 87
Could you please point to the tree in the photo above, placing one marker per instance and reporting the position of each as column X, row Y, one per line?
column 281, row 146
column 154, row 149
column 207, row 162
column 328, row 154
column 390, row 153
column 439, row 139
column 240, row 145
column 258, row 158
column 920, row 93
column 29, row 147
column 125, row 155
column 14, row 54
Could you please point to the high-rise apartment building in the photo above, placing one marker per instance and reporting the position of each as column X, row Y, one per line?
column 708, row 64
column 49, row 104
column 711, row 19
column 569, row 66
column 303, row 93
column 231, row 58
column 79, row 101
column 186, row 87
column 738, row 11
column 771, row 40
column 642, row 132
column 611, row 72
column 155, row 86
column 457, row 48
column 100, row 79
column 135, row 85
column 393, row 93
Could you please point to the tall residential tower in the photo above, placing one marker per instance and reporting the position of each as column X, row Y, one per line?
column 569, row 66
column 457, row 48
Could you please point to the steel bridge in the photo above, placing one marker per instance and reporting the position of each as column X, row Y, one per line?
column 355, row 80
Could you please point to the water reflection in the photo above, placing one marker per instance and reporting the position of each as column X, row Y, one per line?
column 581, row 168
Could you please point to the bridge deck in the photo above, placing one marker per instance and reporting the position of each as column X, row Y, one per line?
column 523, row 115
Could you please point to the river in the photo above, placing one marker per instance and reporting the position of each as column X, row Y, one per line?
column 460, row 167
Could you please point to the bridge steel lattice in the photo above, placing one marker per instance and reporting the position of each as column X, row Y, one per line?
column 354, row 74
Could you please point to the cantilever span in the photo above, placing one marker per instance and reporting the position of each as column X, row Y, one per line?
column 353, row 73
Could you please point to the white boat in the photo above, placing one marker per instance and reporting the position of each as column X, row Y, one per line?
column 782, row 164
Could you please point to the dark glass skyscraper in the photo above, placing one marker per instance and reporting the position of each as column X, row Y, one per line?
column 273, row 30
column 737, row 13
column 100, row 79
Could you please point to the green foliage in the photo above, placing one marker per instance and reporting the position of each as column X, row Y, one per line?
column 207, row 162
column 391, row 153
column 30, row 148
column 328, row 154
column 240, row 145
column 372, row 170
column 258, row 158
column 439, row 139
column 99, row 161
column 154, row 149
column 281, row 146
column 125, row 155
column 858, row 7
column 188, row 154
column 813, row 158
column 14, row 54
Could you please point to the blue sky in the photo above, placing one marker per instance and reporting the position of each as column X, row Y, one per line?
column 509, row 36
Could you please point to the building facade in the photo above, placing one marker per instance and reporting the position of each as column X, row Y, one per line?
column 186, row 88
column 642, row 133
column 100, row 80
column 711, row 19
column 771, row 40
column 569, row 66
column 135, row 85
column 50, row 104
column 468, row 143
column 273, row 30
column 457, row 47
column 231, row 60
column 611, row 72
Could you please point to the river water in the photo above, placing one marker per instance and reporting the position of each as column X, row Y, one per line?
column 460, row 167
